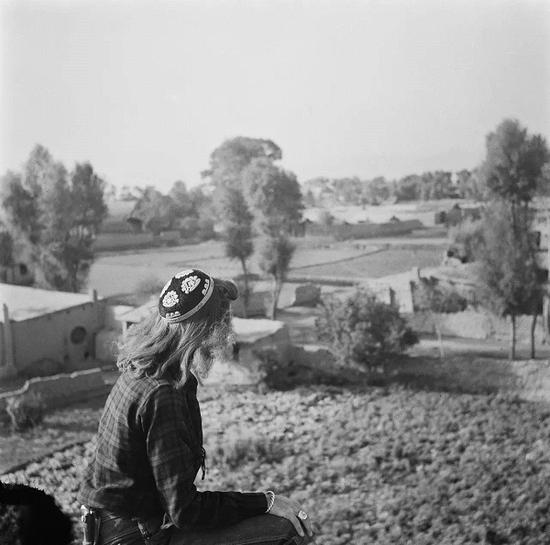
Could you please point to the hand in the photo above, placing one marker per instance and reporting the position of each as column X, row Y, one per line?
column 289, row 509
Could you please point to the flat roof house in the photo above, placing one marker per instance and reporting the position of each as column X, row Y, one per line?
column 38, row 326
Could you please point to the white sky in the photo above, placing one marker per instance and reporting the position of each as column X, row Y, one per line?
column 146, row 90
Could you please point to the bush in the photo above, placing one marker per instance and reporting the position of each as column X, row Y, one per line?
column 25, row 411
column 364, row 330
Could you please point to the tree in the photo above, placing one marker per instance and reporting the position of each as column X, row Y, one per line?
column 275, row 196
column 228, row 160
column 238, row 233
column 275, row 256
column 20, row 206
column 55, row 217
column 513, row 172
column 6, row 253
column 88, row 210
column 376, row 191
column 508, row 272
column 514, row 163
column 276, row 199
column 272, row 194
column 408, row 188
column 364, row 330
column 182, row 199
column 470, row 185
column 157, row 211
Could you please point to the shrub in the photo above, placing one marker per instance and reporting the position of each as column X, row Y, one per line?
column 364, row 330
column 25, row 411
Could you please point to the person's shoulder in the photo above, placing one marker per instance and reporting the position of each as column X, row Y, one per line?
column 130, row 386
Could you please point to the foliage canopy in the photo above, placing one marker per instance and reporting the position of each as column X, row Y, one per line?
column 364, row 330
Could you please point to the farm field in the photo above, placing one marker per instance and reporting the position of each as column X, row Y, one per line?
column 119, row 273
column 395, row 259
column 376, row 466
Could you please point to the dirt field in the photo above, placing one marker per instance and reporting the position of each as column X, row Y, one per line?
column 117, row 273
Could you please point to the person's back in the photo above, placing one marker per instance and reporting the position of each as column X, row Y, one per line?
column 120, row 476
column 139, row 485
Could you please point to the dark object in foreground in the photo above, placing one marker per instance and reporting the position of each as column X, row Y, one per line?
column 29, row 516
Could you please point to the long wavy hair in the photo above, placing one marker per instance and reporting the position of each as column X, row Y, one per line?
column 156, row 348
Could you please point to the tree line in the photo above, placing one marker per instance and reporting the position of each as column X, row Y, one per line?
column 50, row 216
column 49, row 219
column 433, row 185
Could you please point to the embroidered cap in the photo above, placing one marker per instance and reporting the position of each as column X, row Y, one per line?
column 188, row 291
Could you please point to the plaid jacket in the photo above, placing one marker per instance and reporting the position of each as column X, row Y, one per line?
column 148, row 453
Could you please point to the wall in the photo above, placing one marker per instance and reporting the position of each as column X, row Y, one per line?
column 253, row 337
column 475, row 324
column 363, row 230
column 120, row 241
column 63, row 389
column 48, row 337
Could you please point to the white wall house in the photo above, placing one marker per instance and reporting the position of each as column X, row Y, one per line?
column 38, row 326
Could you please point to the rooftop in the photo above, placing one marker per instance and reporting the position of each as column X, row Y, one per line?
column 25, row 303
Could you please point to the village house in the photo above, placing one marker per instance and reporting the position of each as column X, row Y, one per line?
column 44, row 331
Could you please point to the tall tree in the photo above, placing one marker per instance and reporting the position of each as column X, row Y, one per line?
column 55, row 217
column 508, row 271
column 20, row 206
column 6, row 253
column 376, row 191
column 228, row 160
column 275, row 195
column 470, row 185
column 180, row 196
column 408, row 188
column 513, row 167
column 513, row 172
column 275, row 255
column 238, row 233
column 277, row 201
column 88, row 210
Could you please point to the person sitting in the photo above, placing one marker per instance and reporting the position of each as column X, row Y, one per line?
column 140, row 481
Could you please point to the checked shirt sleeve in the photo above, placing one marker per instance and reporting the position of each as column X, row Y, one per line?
column 168, row 436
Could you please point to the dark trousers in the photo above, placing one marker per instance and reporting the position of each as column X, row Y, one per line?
column 260, row 530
